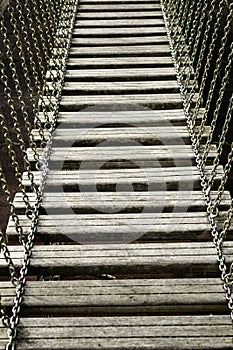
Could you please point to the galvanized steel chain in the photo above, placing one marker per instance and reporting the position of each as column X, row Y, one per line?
column 29, row 78
column 193, row 43
column 66, row 32
column 10, row 265
column 182, row 47
column 202, row 55
column 174, row 11
column 212, row 209
column 8, row 94
column 221, row 143
column 216, row 71
column 43, row 88
column 227, row 169
column 5, row 188
column 19, row 92
column 195, row 20
column 5, row 251
column 219, row 102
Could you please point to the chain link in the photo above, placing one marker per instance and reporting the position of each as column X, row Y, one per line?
column 216, row 73
column 202, row 54
column 212, row 206
column 42, row 86
column 222, row 140
column 19, row 93
column 13, row 213
column 26, row 64
column 62, row 32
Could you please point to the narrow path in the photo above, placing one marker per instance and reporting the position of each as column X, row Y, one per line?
column 123, row 250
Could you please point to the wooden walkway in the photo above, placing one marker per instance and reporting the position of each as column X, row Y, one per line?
column 147, row 276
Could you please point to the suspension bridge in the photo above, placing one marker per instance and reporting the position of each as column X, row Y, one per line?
column 115, row 173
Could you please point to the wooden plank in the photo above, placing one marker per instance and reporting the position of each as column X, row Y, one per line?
column 137, row 73
column 144, row 136
column 96, row 343
column 80, row 63
column 155, row 101
column 120, row 87
column 155, row 50
column 122, row 332
column 131, row 117
column 92, row 297
column 131, row 31
column 176, row 259
column 123, row 152
column 149, row 227
column 96, row 2
column 113, row 202
column 96, row 41
column 172, row 176
column 168, row 285
column 120, row 23
column 182, row 321
column 150, row 332
column 96, row 15
column 83, row 7
column 147, row 155
column 147, row 221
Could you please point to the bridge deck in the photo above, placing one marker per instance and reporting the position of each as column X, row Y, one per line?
column 123, row 181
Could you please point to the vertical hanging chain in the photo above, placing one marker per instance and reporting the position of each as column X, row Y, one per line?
column 216, row 70
column 13, row 114
column 42, row 86
column 202, row 53
column 25, row 67
column 5, row 251
column 222, row 90
column 68, row 13
column 224, row 178
column 212, row 209
column 4, row 186
column 193, row 42
column 219, row 151
column 19, row 93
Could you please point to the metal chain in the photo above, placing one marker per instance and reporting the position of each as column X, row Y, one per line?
column 13, row 114
column 43, row 84
column 180, row 24
column 226, row 224
column 47, row 91
column 221, row 143
column 216, row 71
column 183, row 49
column 193, row 41
column 19, row 93
column 202, row 54
column 47, row 44
column 5, row 251
column 6, row 191
column 222, row 90
column 28, row 77
column 195, row 16
column 28, row 244
column 212, row 210
column 224, row 178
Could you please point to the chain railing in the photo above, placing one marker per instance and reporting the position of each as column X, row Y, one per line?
column 201, row 40
column 35, row 40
